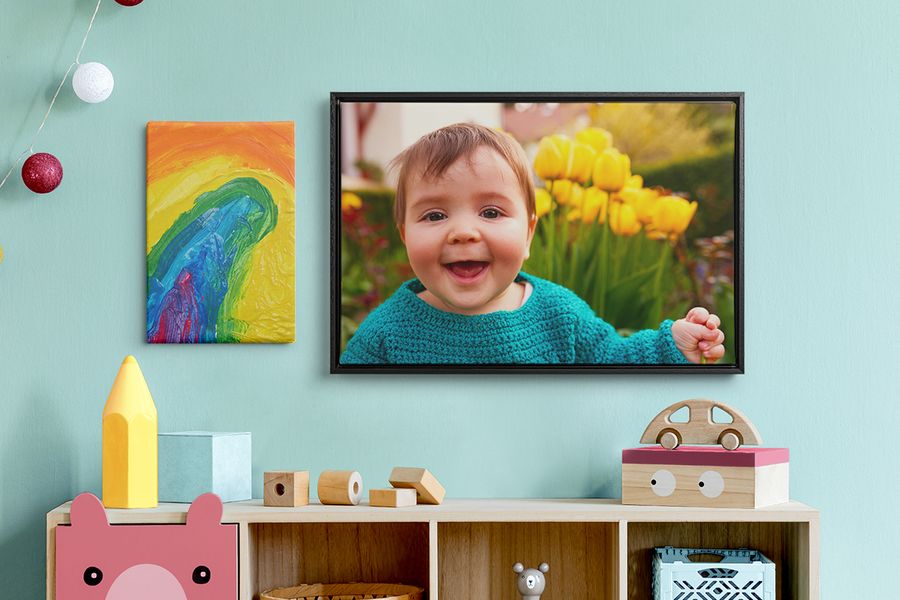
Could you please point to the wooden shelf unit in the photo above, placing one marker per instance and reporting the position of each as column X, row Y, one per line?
column 465, row 549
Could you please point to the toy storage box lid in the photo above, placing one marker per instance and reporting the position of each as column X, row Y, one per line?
column 670, row 555
column 706, row 456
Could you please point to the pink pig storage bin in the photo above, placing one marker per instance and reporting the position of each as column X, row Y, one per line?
column 712, row 574
column 99, row 561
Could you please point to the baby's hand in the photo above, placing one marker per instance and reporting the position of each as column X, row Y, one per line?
column 698, row 336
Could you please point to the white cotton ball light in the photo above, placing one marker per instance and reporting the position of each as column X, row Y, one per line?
column 93, row 82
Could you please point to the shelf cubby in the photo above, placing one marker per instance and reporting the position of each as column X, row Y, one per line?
column 781, row 542
column 476, row 559
column 284, row 554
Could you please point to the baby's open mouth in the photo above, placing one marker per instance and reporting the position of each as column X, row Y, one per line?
column 466, row 269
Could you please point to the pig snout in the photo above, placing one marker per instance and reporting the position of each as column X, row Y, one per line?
column 146, row 582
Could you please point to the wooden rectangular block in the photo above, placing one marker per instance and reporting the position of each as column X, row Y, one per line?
column 708, row 477
column 392, row 497
column 286, row 488
column 428, row 489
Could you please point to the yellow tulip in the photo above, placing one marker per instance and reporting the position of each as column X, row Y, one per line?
column 643, row 201
column 623, row 219
column 611, row 170
column 350, row 202
column 581, row 162
column 594, row 206
column 672, row 215
column 552, row 158
column 561, row 189
column 596, row 138
column 635, row 181
column 543, row 202
column 567, row 192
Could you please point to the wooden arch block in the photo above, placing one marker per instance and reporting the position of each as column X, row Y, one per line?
column 428, row 489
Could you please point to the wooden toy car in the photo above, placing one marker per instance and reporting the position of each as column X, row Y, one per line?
column 700, row 427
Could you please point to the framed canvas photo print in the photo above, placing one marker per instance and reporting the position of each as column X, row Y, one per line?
column 537, row 232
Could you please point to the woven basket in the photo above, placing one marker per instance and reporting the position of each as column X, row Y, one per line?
column 345, row 591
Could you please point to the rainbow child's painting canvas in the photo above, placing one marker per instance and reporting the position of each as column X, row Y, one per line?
column 220, row 232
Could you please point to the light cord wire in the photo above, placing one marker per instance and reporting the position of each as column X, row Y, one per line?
column 62, row 82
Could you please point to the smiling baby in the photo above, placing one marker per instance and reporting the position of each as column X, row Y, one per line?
column 465, row 211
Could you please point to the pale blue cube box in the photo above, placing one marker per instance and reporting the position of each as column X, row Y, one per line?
column 195, row 462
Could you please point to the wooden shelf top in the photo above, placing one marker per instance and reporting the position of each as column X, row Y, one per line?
column 459, row 510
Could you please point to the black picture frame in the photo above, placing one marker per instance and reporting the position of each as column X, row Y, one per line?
column 337, row 98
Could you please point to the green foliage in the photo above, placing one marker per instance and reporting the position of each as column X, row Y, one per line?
column 370, row 170
column 626, row 280
column 373, row 259
column 708, row 179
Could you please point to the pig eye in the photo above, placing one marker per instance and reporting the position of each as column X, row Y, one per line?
column 93, row 576
column 201, row 574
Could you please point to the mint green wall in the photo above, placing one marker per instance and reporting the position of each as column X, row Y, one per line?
column 822, row 119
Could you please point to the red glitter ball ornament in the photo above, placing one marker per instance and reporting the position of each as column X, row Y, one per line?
column 129, row 2
column 42, row 172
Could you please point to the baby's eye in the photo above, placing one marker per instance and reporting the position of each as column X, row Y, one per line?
column 491, row 213
column 434, row 216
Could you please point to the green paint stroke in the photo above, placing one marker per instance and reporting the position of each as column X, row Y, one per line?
column 215, row 242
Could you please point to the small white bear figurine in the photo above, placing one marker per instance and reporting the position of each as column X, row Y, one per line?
column 531, row 582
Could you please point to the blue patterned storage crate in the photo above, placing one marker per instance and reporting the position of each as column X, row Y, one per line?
column 703, row 574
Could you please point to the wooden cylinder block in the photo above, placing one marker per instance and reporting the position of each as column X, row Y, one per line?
column 340, row 487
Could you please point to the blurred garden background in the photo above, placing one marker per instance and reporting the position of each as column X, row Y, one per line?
column 635, row 202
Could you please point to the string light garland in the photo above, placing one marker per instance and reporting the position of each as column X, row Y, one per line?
column 93, row 82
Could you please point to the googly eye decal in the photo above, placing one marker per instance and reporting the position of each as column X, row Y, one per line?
column 662, row 483
column 711, row 484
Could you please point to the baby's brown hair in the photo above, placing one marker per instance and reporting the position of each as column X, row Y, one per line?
column 434, row 152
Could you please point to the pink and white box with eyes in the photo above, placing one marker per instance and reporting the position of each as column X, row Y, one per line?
column 705, row 476
column 99, row 561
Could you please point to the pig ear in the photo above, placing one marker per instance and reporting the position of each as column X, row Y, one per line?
column 87, row 511
column 518, row 568
column 544, row 568
column 205, row 510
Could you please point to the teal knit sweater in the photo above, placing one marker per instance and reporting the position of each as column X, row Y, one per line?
column 554, row 326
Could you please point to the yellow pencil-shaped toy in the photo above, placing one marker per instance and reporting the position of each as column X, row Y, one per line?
column 130, row 431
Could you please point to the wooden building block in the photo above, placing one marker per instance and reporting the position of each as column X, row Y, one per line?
column 392, row 497
column 340, row 487
column 705, row 477
column 286, row 488
column 428, row 489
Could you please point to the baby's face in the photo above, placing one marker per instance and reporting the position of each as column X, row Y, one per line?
column 467, row 233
